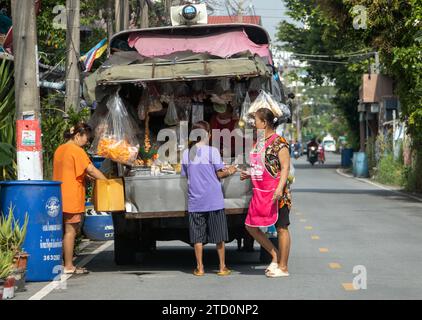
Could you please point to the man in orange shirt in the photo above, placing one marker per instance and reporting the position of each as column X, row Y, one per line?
column 71, row 166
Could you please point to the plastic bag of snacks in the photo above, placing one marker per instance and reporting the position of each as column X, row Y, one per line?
column 265, row 100
column 117, row 140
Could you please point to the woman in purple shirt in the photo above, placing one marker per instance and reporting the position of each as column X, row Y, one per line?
column 203, row 167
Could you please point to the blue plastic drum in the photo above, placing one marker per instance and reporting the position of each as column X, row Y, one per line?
column 42, row 200
column 360, row 165
column 346, row 157
column 97, row 161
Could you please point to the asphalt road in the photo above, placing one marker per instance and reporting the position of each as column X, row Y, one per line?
column 338, row 224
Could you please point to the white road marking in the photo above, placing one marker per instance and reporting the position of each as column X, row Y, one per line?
column 54, row 284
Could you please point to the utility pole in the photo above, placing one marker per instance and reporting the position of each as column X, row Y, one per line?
column 122, row 15
column 28, row 138
column 167, row 9
column 109, row 23
column 144, row 14
column 240, row 11
column 72, row 56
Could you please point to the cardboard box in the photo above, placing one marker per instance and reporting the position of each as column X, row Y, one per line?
column 109, row 195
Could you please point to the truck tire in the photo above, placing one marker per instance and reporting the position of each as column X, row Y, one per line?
column 126, row 239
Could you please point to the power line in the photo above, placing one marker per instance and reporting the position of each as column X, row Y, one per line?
column 343, row 55
column 323, row 61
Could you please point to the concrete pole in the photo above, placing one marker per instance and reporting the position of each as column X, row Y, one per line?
column 144, row 14
column 109, row 23
column 25, row 59
column 122, row 15
column 72, row 99
column 27, row 96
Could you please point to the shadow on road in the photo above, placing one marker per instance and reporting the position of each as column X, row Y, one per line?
column 179, row 259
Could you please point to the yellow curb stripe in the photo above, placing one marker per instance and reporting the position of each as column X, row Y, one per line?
column 315, row 237
column 334, row 265
column 323, row 250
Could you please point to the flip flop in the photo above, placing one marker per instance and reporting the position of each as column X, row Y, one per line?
column 277, row 273
column 77, row 270
column 225, row 272
column 198, row 273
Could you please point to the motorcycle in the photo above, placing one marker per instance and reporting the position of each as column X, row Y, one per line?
column 313, row 155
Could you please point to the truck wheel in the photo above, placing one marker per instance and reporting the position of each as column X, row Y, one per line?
column 124, row 252
column 126, row 235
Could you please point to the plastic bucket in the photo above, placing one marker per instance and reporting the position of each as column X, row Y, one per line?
column 98, row 226
column 42, row 200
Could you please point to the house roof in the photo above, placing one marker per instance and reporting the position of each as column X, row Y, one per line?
column 234, row 19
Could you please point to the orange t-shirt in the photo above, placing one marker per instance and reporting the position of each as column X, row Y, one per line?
column 69, row 167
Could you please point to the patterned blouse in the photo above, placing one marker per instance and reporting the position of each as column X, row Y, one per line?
column 273, row 165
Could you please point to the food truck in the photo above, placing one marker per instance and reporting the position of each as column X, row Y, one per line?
column 168, row 78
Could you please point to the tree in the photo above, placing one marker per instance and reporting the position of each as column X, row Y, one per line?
column 392, row 28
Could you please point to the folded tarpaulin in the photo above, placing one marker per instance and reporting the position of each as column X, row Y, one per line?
column 222, row 45
column 189, row 70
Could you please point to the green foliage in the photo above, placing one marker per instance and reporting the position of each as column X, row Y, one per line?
column 394, row 29
column 390, row 171
column 54, row 123
column 6, row 264
column 7, row 122
column 12, row 234
column 52, row 42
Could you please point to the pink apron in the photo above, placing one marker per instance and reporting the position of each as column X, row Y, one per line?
column 263, row 211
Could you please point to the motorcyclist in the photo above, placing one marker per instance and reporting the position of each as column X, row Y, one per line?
column 312, row 143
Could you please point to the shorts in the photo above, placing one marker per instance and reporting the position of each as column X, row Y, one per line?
column 208, row 227
column 283, row 217
column 70, row 218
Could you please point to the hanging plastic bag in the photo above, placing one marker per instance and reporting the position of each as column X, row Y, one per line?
column 244, row 111
column 197, row 112
column 117, row 138
column 142, row 112
column 184, row 108
column 171, row 118
column 266, row 101
column 291, row 177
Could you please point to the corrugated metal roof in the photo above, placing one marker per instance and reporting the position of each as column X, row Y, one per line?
column 234, row 19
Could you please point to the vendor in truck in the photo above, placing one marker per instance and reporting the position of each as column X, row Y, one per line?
column 223, row 119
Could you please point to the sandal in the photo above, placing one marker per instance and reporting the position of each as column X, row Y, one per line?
column 271, row 267
column 77, row 270
column 225, row 272
column 277, row 273
column 198, row 273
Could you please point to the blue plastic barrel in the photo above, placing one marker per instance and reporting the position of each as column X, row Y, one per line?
column 360, row 165
column 42, row 200
column 97, row 161
column 97, row 226
column 346, row 157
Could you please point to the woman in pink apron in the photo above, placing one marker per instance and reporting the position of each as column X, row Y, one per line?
column 270, row 203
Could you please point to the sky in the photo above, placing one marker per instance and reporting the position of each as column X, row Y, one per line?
column 271, row 11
